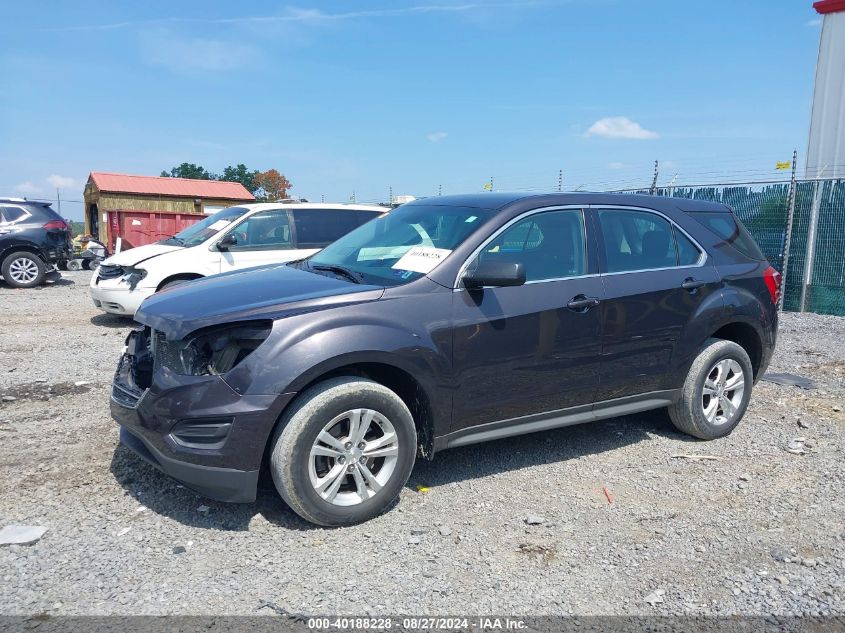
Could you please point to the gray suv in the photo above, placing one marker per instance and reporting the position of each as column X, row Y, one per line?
column 446, row 322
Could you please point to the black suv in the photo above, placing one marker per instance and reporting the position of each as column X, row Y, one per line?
column 449, row 321
column 33, row 239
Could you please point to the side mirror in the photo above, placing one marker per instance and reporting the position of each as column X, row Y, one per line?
column 227, row 242
column 497, row 274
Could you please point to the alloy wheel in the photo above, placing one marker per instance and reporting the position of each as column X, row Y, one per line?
column 23, row 270
column 353, row 457
column 723, row 389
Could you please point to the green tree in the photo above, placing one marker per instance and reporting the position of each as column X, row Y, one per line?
column 240, row 174
column 264, row 185
column 189, row 170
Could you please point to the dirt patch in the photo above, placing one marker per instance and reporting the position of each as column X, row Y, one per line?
column 41, row 391
column 545, row 553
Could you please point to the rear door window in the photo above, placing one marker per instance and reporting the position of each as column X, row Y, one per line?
column 635, row 240
column 688, row 253
column 317, row 228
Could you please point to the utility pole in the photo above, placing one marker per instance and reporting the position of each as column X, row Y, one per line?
column 439, row 190
column 353, row 196
column 390, row 195
column 653, row 189
column 560, row 180
column 790, row 214
column 59, row 200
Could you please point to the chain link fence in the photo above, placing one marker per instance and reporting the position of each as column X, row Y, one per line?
column 815, row 276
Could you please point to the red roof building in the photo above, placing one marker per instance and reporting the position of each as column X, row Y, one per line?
column 162, row 186
column 143, row 209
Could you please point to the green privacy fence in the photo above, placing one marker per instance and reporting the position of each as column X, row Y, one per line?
column 815, row 278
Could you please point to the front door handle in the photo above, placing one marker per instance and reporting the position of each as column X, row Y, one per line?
column 692, row 284
column 582, row 302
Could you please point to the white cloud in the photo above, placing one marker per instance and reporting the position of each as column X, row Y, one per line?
column 814, row 22
column 162, row 48
column 616, row 165
column 619, row 127
column 28, row 187
column 61, row 182
column 436, row 137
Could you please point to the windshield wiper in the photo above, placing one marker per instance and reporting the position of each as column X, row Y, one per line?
column 352, row 275
column 173, row 238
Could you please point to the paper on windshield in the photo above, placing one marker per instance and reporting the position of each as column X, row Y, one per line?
column 220, row 224
column 422, row 259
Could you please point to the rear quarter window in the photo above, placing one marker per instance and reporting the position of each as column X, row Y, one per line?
column 728, row 227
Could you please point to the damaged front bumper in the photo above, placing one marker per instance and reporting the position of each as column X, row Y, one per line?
column 196, row 429
column 116, row 296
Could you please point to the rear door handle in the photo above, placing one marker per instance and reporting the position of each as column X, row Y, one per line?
column 582, row 302
column 692, row 284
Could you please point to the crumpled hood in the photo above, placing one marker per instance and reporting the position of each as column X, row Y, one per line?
column 140, row 253
column 266, row 292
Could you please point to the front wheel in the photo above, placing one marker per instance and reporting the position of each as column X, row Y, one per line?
column 343, row 451
column 716, row 392
column 173, row 284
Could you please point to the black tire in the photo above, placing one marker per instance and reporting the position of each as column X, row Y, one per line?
column 61, row 264
column 290, row 457
column 12, row 265
column 86, row 264
column 688, row 413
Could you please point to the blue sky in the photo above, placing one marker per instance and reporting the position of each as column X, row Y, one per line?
column 353, row 96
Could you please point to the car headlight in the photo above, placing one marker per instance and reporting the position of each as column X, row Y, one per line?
column 133, row 276
column 215, row 351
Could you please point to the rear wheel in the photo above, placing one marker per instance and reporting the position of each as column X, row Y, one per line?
column 343, row 451
column 23, row 270
column 716, row 392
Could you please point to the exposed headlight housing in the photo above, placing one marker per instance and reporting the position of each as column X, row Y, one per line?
column 214, row 351
column 133, row 276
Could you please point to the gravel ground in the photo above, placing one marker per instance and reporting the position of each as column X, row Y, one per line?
column 758, row 531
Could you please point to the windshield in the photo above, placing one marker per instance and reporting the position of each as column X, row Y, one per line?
column 403, row 245
column 204, row 229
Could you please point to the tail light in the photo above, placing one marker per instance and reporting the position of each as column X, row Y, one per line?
column 773, row 279
column 56, row 224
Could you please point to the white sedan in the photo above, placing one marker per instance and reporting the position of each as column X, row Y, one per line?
column 234, row 238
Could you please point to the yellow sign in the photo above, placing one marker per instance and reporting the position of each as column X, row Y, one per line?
column 488, row 186
column 783, row 165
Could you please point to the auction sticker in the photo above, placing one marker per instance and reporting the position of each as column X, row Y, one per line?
column 422, row 259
